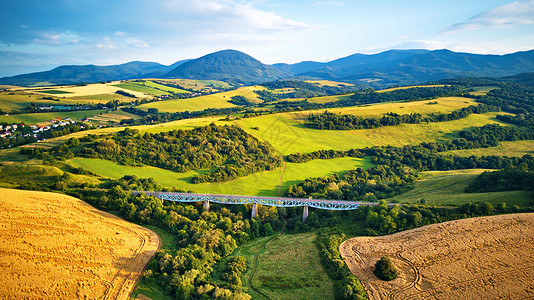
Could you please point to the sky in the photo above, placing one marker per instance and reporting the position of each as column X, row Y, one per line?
column 38, row 35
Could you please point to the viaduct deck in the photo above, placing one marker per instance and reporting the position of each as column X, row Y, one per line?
column 255, row 200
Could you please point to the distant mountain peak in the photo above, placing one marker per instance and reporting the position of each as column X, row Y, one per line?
column 227, row 65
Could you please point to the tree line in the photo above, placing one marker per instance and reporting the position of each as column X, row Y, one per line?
column 332, row 121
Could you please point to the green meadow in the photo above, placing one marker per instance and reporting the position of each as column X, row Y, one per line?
column 290, row 268
column 287, row 135
column 447, row 188
column 17, row 100
column 515, row 148
column 162, row 87
column 260, row 184
column 133, row 86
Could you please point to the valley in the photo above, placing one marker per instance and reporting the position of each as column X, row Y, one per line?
column 172, row 138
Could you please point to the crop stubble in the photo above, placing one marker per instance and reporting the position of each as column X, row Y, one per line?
column 478, row 258
column 54, row 246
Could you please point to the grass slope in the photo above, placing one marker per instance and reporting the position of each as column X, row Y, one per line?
column 515, row 148
column 290, row 269
column 287, row 135
column 261, row 184
column 139, row 87
column 447, row 188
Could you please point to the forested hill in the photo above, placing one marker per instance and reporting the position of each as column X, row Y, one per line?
column 90, row 73
column 227, row 65
column 392, row 67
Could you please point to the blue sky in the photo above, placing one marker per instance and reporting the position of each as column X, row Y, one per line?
column 39, row 35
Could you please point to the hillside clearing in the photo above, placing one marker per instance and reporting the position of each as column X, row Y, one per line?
column 259, row 184
column 447, row 188
column 483, row 258
column 70, row 250
column 289, row 268
column 515, row 148
column 288, row 136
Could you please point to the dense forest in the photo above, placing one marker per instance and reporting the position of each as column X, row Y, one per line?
column 228, row 150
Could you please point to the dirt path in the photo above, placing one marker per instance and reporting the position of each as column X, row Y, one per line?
column 479, row 258
column 58, row 247
column 260, row 250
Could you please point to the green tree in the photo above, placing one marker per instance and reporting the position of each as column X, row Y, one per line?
column 385, row 269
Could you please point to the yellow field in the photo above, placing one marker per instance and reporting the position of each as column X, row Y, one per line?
column 329, row 83
column 57, row 247
column 444, row 105
column 409, row 87
column 87, row 90
column 218, row 100
column 477, row 258
column 515, row 148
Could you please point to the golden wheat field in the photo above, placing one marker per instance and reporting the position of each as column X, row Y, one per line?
column 54, row 246
column 478, row 258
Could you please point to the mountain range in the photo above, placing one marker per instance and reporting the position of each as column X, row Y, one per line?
column 393, row 67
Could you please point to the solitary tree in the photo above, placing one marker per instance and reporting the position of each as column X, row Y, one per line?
column 385, row 269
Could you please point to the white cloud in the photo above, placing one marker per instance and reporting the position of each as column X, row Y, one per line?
column 329, row 3
column 512, row 14
column 57, row 38
column 106, row 44
column 229, row 15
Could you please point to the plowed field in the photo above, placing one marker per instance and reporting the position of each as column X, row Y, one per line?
column 54, row 246
column 479, row 258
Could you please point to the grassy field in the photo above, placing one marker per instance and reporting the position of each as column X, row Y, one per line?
column 287, row 135
column 447, row 188
column 98, row 98
column 444, row 105
column 260, row 184
column 140, row 88
column 40, row 118
column 18, row 100
column 290, row 268
column 515, row 148
column 111, row 117
column 482, row 90
column 329, row 83
column 87, row 90
column 156, row 85
column 408, row 87
column 218, row 100
column 198, row 85
column 53, row 92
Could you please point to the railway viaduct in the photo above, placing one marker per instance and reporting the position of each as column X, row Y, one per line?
column 255, row 200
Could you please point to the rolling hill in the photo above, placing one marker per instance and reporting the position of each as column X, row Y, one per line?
column 388, row 68
column 74, row 74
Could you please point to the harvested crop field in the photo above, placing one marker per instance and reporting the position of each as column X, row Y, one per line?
column 478, row 258
column 58, row 247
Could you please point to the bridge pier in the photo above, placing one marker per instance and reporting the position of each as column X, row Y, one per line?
column 304, row 213
column 206, row 205
column 254, row 210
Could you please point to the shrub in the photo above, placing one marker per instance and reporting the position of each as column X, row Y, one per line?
column 385, row 269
